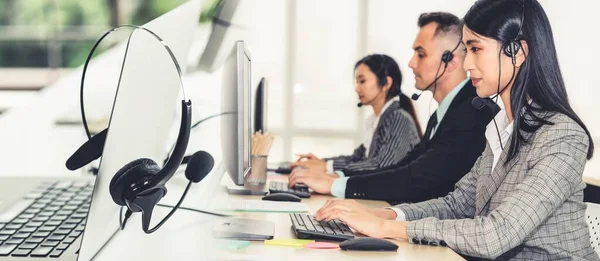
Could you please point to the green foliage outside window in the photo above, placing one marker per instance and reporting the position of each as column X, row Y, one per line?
column 34, row 33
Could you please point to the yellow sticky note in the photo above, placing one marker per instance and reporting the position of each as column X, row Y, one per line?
column 289, row 242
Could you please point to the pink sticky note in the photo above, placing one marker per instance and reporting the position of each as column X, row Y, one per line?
column 322, row 245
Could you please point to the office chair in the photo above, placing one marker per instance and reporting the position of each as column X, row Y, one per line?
column 593, row 219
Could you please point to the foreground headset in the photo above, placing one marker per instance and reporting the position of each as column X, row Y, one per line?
column 140, row 184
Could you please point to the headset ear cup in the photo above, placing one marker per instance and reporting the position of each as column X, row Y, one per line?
column 135, row 171
column 447, row 57
column 511, row 48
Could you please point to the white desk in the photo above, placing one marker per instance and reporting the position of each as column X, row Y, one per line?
column 260, row 251
column 32, row 145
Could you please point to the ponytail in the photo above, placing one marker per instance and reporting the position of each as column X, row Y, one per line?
column 406, row 104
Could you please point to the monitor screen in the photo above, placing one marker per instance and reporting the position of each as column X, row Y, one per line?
column 247, row 132
column 260, row 106
column 236, row 130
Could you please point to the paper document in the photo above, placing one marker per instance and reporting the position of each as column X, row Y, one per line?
column 265, row 206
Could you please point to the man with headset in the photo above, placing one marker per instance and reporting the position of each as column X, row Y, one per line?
column 454, row 137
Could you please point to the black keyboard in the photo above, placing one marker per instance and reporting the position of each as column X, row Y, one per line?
column 282, row 187
column 306, row 227
column 53, row 216
column 283, row 168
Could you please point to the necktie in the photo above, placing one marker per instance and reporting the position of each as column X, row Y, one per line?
column 433, row 121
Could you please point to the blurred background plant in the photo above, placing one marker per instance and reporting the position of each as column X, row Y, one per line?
column 60, row 33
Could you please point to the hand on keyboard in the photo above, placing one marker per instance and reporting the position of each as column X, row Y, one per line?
column 360, row 218
column 282, row 187
column 305, row 226
column 317, row 182
column 313, row 164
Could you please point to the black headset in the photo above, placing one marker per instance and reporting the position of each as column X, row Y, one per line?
column 510, row 48
column 140, row 184
column 447, row 57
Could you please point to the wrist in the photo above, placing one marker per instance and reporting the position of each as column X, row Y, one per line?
column 333, row 175
column 329, row 181
column 394, row 229
column 385, row 213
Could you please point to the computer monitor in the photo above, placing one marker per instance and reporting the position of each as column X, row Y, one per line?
column 235, row 97
column 260, row 106
column 221, row 35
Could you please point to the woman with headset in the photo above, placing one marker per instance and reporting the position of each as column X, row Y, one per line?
column 523, row 198
column 390, row 133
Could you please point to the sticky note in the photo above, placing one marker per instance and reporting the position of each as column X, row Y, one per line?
column 322, row 245
column 289, row 242
column 232, row 244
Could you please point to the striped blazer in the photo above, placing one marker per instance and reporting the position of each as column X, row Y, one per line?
column 396, row 134
column 530, row 208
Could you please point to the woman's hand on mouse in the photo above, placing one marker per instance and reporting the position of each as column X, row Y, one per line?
column 362, row 219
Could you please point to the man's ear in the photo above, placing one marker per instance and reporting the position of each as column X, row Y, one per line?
column 455, row 63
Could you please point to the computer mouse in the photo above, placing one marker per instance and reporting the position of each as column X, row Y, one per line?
column 282, row 197
column 300, row 186
column 284, row 170
column 368, row 244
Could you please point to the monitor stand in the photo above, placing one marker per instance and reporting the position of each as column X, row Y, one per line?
column 247, row 189
column 250, row 187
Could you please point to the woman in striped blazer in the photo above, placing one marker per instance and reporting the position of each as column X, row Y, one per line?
column 390, row 132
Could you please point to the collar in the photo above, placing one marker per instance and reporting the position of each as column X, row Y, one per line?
column 504, row 127
column 389, row 103
column 445, row 104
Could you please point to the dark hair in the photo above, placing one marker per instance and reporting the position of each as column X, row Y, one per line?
column 383, row 66
column 446, row 23
column 540, row 78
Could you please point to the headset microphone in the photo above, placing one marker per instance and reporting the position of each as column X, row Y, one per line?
column 416, row 96
column 447, row 57
column 200, row 164
column 360, row 104
column 479, row 103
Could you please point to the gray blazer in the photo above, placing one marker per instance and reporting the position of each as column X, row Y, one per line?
column 395, row 135
column 529, row 209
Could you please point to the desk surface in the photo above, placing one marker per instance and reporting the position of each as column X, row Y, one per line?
column 260, row 251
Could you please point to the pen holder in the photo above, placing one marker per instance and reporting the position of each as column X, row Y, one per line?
column 258, row 173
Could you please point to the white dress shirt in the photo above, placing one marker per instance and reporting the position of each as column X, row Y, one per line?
column 505, row 128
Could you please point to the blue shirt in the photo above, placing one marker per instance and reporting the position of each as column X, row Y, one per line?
column 445, row 104
column 338, row 188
